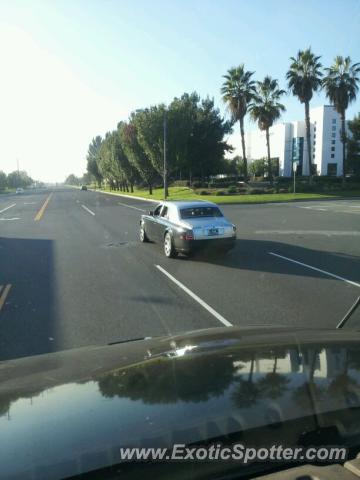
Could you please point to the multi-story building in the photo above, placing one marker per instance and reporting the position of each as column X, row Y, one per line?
column 288, row 144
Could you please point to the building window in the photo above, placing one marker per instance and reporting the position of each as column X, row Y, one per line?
column 333, row 149
column 333, row 135
column 332, row 142
column 332, row 169
column 313, row 155
column 333, row 128
column 333, row 121
column 332, row 155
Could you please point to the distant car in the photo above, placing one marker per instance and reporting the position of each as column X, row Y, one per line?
column 187, row 227
column 83, row 187
column 19, row 191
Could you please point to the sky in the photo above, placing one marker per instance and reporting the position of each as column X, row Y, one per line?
column 72, row 69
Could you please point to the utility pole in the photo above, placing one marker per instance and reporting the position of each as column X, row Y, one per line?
column 165, row 173
column 18, row 172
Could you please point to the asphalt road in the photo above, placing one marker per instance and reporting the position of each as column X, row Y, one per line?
column 73, row 273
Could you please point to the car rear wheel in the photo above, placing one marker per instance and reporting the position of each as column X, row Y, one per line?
column 169, row 249
column 142, row 234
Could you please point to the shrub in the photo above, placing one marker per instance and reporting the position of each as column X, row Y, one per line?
column 306, row 188
column 196, row 184
column 204, row 192
column 220, row 193
column 232, row 190
column 283, row 190
column 256, row 191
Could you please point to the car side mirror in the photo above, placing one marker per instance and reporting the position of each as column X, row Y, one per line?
column 151, row 213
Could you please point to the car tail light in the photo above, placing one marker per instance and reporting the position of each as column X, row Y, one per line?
column 187, row 236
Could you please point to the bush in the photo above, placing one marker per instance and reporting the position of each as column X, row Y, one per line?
column 204, row 192
column 306, row 188
column 256, row 191
column 196, row 184
column 269, row 190
column 283, row 190
column 232, row 190
column 220, row 193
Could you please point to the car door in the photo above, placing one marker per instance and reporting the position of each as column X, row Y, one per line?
column 161, row 224
column 151, row 223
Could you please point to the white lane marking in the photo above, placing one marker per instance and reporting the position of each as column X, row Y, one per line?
column 9, row 219
column 29, row 203
column 329, row 233
column 195, row 297
column 332, row 208
column 316, row 208
column 7, row 208
column 87, row 209
column 131, row 206
column 316, row 269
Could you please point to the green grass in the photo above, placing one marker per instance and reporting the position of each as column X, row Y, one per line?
column 184, row 193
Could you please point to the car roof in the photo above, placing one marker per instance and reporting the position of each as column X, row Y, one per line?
column 189, row 204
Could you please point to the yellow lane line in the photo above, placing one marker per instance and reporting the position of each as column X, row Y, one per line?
column 40, row 213
column 4, row 295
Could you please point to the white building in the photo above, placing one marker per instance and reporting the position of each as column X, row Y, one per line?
column 288, row 143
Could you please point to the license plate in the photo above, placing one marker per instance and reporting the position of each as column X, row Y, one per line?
column 213, row 231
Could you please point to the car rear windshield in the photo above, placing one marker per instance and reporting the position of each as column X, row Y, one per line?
column 198, row 212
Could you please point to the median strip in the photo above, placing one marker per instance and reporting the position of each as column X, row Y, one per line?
column 7, row 208
column 195, row 297
column 4, row 294
column 87, row 209
column 316, row 269
column 41, row 212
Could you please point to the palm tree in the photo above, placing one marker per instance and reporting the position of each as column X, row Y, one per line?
column 266, row 108
column 237, row 92
column 304, row 78
column 341, row 85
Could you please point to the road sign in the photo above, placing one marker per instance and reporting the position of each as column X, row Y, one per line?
column 295, row 165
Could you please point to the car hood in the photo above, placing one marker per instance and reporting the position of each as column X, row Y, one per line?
column 67, row 413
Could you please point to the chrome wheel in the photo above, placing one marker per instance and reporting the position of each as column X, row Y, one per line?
column 168, row 246
column 142, row 234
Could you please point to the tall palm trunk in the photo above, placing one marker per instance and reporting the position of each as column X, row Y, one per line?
column 343, row 140
column 268, row 155
column 307, row 125
column 242, row 133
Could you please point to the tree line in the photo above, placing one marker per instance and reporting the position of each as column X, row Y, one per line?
column 15, row 180
column 133, row 153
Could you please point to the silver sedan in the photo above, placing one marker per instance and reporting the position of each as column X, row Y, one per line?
column 187, row 227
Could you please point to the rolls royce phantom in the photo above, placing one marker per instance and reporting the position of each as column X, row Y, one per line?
column 187, row 227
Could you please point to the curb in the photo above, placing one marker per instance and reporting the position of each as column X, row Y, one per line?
column 124, row 195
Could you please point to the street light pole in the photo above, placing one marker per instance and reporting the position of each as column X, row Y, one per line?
column 165, row 173
column 295, row 165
